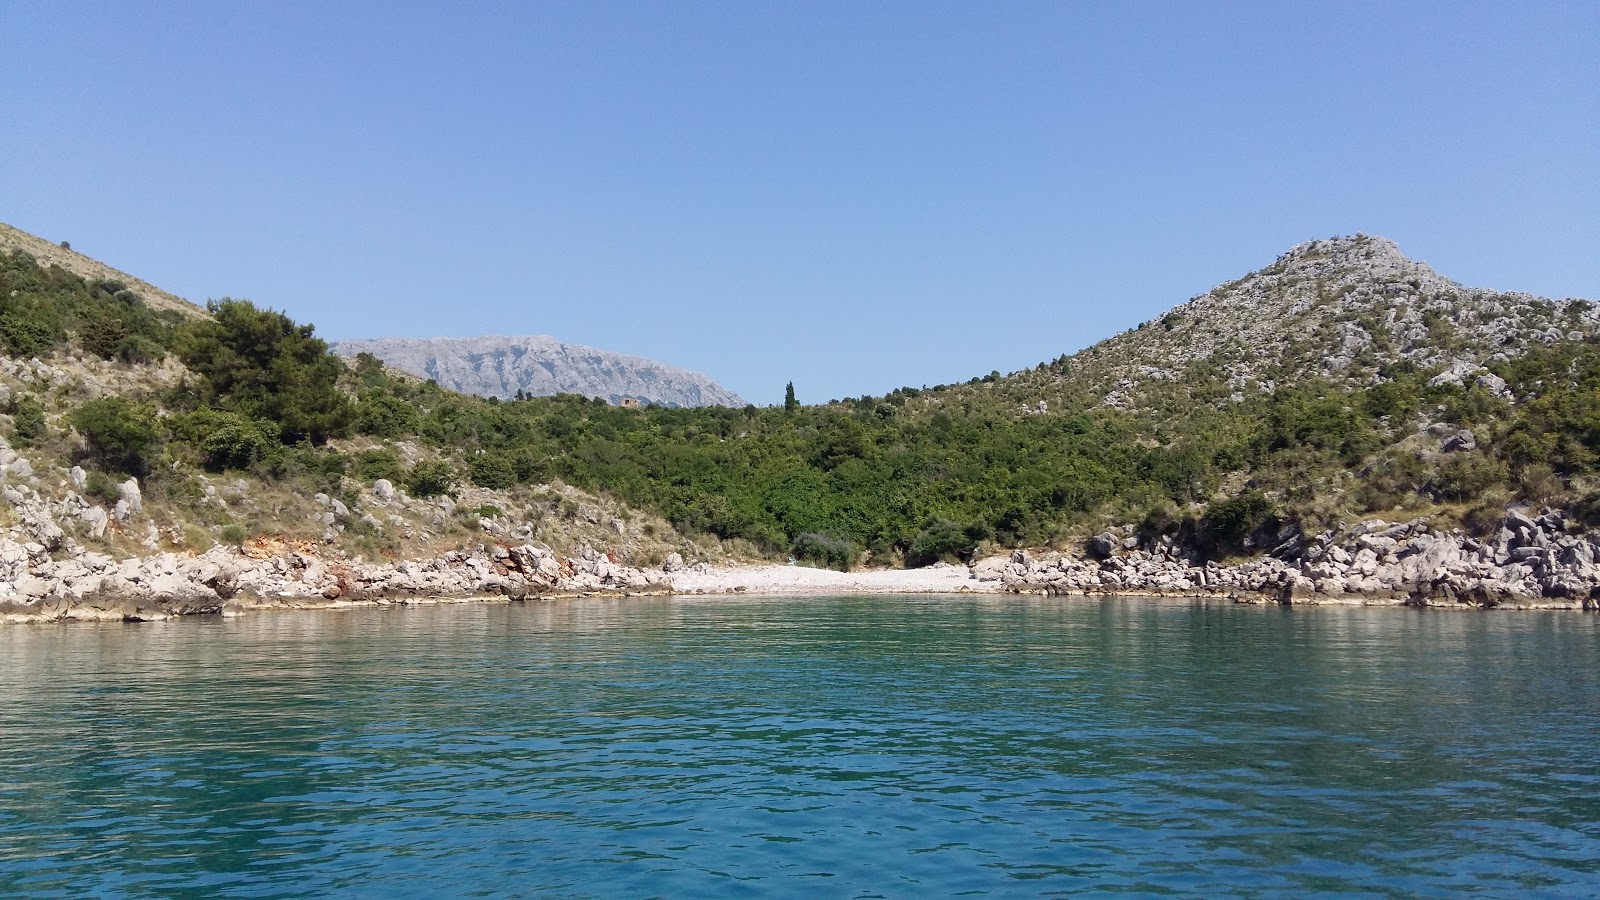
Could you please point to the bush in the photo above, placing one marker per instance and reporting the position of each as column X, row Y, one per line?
column 226, row 440
column 940, row 539
column 120, row 435
column 492, row 471
column 825, row 550
column 1228, row 524
column 234, row 534
column 370, row 465
column 431, row 478
column 138, row 350
column 102, row 487
column 27, row 421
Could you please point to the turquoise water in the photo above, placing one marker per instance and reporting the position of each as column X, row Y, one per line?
column 850, row 746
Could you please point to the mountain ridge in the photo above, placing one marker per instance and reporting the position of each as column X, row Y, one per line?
column 541, row 365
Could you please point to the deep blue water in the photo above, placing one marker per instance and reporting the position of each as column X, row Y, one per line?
column 854, row 746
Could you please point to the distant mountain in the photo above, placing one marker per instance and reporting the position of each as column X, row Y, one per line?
column 541, row 366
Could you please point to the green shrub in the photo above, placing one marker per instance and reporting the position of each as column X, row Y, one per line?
column 226, row 440
column 259, row 363
column 431, row 478
column 120, row 434
column 234, row 534
column 492, row 471
column 825, row 550
column 370, row 465
column 102, row 487
column 1228, row 524
column 27, row 420
column 940, row 539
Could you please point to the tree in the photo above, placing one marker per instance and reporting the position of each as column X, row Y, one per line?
column 258, row 362
column 120, row 434
column 789, row 403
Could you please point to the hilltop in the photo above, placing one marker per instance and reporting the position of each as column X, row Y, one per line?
column 541, row 366
column 1346, row 311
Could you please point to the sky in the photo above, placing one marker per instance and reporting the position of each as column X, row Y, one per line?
column 849, row 196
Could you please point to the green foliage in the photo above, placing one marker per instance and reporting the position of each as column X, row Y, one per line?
column 1228, row 524
column 259, row 363
column 226, row 440
column 790, row 404
column 824, row 550
column 27, row 420
column 120, row 435
column 431, row 478
column 42, row 309
column 102, row 487
column 940, row 539
column 370, row 465
column 234, row 533
column 492, row 470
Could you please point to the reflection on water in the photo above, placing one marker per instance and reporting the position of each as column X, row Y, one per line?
column 843, row 746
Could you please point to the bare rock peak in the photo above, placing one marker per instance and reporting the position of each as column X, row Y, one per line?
column 540, row 365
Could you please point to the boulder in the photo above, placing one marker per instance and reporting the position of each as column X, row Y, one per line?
column 383, row 489
column 1461, row 441
column 1103, row 545
column 129, row 491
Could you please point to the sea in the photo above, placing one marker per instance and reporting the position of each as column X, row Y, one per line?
column 852, row 746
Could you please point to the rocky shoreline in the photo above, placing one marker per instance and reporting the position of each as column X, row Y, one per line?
column 1532, row 562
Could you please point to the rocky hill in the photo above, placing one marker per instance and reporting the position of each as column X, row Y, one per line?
column 541, row 366
column 1350, row 310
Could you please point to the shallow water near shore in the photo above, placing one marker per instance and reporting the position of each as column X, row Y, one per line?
column 847, row 746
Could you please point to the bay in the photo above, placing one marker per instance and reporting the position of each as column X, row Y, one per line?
column 843, row 746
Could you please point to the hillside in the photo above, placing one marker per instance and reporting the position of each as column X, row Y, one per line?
column 1349, row 311
column 541, row 366
column 90, row 269
column 1343, row 421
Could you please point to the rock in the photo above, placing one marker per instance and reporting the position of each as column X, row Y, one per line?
column 129, row 491
column 383, row 489
column 1461, row 441
column 1494, row 384
column 19, row 468
column 674, row 563
column 1103, row 545
column 990, row 568
column 79, row 478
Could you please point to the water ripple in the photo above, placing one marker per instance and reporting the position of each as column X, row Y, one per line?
column 847, row 746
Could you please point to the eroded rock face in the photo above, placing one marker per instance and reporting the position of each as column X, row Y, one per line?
column 541, row 366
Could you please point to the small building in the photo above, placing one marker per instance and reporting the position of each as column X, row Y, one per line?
column 629, row 402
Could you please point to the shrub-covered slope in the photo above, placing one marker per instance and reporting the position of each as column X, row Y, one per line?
column 1455, row 404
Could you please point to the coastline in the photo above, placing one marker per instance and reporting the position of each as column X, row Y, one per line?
column 227, row 583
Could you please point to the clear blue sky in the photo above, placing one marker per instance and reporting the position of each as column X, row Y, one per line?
column 852, row 196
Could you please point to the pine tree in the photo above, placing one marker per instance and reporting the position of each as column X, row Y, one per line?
column 789, row 403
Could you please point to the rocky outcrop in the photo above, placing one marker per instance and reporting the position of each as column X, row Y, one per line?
column 1530, row 561
column 541, row 366
column 34, row 587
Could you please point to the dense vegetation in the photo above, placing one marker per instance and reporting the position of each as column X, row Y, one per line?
column 914, row 476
